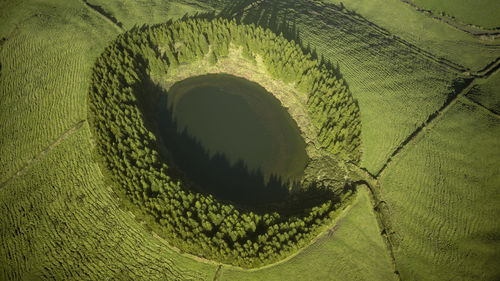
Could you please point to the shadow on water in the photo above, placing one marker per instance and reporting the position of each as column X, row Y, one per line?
column 214, row 174
column 189, row 161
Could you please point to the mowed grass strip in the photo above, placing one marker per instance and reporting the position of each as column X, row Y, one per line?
column 443, row 196
column 45, row 63
column 396, row 87
column 353, row 251
column 60, row 222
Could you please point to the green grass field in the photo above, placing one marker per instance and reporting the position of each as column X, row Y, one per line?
column 353, row 251
column 486, row 93
column 402, row 20
column 443, row 195
column 482, row 13
column 46, row 62
column 130, row 13
column 59, row 221
column 439, row 179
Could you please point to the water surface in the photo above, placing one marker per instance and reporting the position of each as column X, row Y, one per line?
column 233, row 138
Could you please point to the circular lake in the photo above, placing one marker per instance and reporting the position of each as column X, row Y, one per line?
column 232, row 138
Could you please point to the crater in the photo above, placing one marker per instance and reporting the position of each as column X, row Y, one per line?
column 213, row 162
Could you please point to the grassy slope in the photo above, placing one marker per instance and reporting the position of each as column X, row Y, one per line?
column 60, row 222
column 356, row 251
column 487, row 92
column 45, row 63
column 479, row 12
column 25, row 124
column 11, row 14
column 443, row 196
column 429, row 34
column 130, row 13
column 396, row 87
column 70, row 237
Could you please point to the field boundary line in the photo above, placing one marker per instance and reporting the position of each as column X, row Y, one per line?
column 94, row 9
column 480, row 33
column 484, row 108
column 384, row 223
column 488, row 71
column 360, row 19
column 379, row 205
column 372, row 181
column 44, row 152
column 427, row 124
column 218, row 272
column 491, row 69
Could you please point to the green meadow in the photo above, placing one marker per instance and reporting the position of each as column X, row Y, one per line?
column 483, row 13
column 422, row 202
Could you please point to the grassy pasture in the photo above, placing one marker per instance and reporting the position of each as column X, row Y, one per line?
column 354, row 251
column 46, row 62
column 396, row 87
column 130, row 13
column 443, row 196
column 487, row 92
column 59, row 221
column 442, row 191
column 479, row 12
column 402, row 20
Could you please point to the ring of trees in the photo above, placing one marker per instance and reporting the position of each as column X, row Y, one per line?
column 128, row 151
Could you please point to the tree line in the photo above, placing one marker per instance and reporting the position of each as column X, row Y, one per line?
column 129, row 151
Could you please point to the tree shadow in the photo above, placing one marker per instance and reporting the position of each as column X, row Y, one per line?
column 202, row 172
column 273, row 16
column 215, row 174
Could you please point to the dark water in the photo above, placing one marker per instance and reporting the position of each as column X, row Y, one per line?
column 232, row 138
